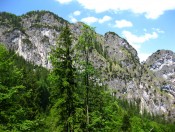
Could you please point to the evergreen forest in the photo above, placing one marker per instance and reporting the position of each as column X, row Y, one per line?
column 70, row 97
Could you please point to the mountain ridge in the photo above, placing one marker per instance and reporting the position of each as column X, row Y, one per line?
column 37, row 32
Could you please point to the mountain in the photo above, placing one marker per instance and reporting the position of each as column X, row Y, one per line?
column 162, row 63
column 33, row 34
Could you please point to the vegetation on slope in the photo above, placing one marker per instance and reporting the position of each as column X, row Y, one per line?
column 70, row 98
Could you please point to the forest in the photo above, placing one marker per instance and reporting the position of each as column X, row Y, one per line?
column 70, row 97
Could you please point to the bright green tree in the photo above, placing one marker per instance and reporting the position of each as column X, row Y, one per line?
column 13, row 95
column 85, row 46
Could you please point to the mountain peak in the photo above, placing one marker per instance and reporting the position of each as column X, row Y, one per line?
column 160, row 58
column 41, row 14
column 112, row 55
column 162, row 62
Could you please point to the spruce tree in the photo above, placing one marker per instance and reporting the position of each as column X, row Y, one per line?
column 63, row 83
column 14, row 107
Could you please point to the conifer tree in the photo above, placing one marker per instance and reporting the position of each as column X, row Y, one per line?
column 63, row 82
column 85, row 45
column 13, row 107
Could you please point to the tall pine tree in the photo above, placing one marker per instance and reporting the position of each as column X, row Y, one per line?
column 63, row 83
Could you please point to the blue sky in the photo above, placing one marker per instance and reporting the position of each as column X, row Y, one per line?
column 148, row 25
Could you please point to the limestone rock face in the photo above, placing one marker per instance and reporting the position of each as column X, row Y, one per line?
column 150, row 84
column 162, row 63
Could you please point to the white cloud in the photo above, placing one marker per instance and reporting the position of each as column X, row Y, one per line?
column 64, row 1
column 76, row 13
column 137, row 41
column 72, row 19
column 105, row 19
column 152, row 9
column 123, row 23
column 89, row 20
column 72, row 16
column 143, row 56
column 145, row 30
column 158, row 30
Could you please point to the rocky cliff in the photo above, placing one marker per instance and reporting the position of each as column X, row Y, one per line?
column 162, row 63
column 32, row 35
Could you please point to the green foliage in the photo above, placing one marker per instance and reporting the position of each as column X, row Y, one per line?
column 126, row 126
column 19, row 103
column 8, row 19
column 70, row 97
column 63, row 87
column 43, row 12
column 85, row 45
column 99, row 48
column 105, row 53
column 10, row 105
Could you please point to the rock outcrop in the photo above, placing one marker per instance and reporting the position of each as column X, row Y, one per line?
column 162, row 63
column 32, row 35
